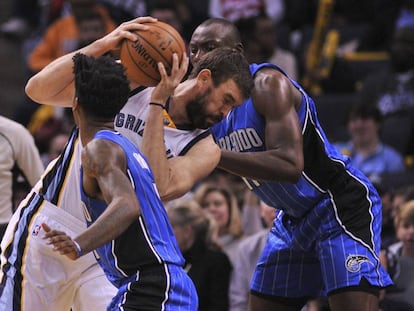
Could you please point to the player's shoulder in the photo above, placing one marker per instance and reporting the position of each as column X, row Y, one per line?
column 268, row 76
column 99, row 152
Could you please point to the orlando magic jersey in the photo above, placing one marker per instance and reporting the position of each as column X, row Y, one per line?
column 150, row 240
column 326, row 172
column 130, row 122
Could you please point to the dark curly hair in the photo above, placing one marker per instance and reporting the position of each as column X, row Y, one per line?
column 101, row 86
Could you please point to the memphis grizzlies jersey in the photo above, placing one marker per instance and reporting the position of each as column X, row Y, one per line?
column 60, row 182
column 149, row 240
column 130, row 122
column 326, row 172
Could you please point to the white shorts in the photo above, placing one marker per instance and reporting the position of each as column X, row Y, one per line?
column 34, row 277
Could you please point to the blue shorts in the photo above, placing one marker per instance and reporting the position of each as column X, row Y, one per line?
column 165, row 287
column 318, row 253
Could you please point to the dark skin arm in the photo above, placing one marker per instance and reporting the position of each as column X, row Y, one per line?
column 104, row 177
column 276, row 99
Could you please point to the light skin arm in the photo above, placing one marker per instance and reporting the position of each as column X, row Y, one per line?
column 53, row 85
column 104, row 177
column 174, row 177
column 276, row 99
column 195, row 165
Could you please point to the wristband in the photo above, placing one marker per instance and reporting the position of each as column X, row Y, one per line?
column 78, row 248
column 157, row 104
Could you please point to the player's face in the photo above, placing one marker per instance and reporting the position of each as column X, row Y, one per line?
column 215, row 203
column 213, row 104
column 206, row 39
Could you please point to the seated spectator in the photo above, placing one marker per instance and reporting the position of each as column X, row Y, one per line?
column 56, row 144
column 234, row 10
column 207, row 265
column 392, row 91
column 221, row 204
column 365, row 147
column 166, row 11
column 125, row 10
column 87, row 22
column 398, row 258
column 248, row 253
column 259, row 38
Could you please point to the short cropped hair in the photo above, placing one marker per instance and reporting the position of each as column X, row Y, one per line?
column 101, row 86
column 365, row 111
column 225, row 64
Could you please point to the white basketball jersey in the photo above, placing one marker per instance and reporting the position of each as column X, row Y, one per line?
column 130, row 122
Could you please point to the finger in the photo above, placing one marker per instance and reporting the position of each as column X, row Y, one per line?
column 145, row 19
column 184, row 63
column 162, row 70
column 55, row 237
column 175, row 65
column 46, row 227
column 51, row 234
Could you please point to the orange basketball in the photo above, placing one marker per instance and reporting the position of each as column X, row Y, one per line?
column 157, row 44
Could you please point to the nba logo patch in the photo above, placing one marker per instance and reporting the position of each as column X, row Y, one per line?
column 36, row 230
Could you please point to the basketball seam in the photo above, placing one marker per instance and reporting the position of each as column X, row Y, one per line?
column 172, row 34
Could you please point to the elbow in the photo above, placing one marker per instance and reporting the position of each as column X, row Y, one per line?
column 295, row 171
column 295, row 175
column 30, row 90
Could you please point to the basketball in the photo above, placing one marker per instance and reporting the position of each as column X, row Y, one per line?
column 157, row 44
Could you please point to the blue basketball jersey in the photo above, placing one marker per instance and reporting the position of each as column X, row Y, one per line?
column 326, row 174
column 147, row 242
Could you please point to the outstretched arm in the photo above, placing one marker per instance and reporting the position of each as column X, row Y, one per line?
column 104, row 177
column 276, row 99
column 53, row 85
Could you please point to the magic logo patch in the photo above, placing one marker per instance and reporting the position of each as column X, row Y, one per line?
column 353, row 262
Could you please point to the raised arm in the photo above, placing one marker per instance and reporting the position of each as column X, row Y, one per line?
column 276, row 99
column 53, row 85
column 176, row 176
column 104, row 177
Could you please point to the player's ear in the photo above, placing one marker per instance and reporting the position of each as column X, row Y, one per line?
column 204, row 76
column 75, row 103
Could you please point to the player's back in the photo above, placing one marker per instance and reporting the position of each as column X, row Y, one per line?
column 151, row 234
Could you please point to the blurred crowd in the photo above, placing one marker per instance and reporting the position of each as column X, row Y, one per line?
column 356, row 58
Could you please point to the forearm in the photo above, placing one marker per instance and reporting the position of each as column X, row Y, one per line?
column 264, row 165
column 58, row 75
column 111, row 224
column 153, row 147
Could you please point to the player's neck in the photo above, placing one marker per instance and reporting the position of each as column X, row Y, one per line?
column 87, row 130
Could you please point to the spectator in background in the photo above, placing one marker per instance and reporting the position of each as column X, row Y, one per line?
column 87, row 22
column 25, row 15
column 248, row 253
column 205, row 262
column 166, row 11
column 19, row 157
column 56, row 146
column 365, row 148
column 125, row 10
column 234, row 10
column 398, row 259
column 221, row 203
column 392, row 91
column 259, row 38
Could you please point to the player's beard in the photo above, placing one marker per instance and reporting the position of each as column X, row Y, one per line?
column 196, row 111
